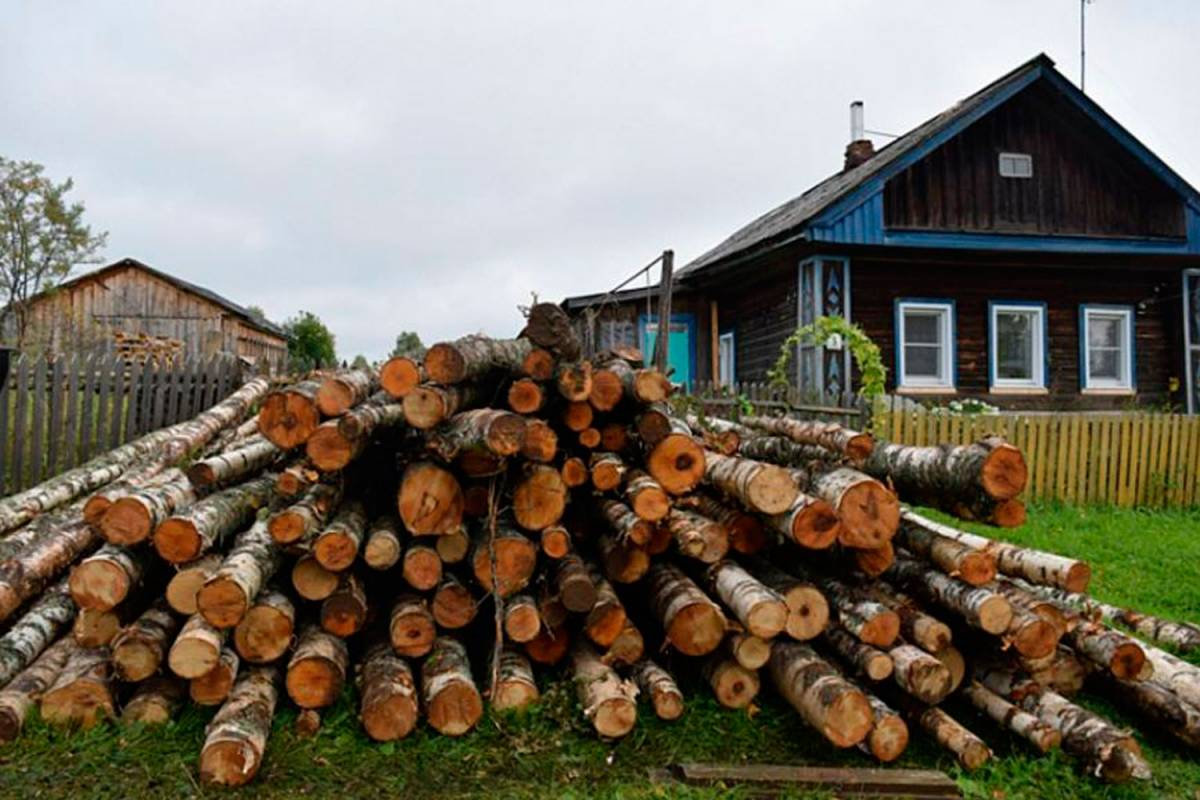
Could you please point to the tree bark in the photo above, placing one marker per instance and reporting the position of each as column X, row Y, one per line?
column 227, row 596
column 693, row 623
column 1007, row 715
column 317, row 669
column 430, row 500
column 623, row 562
column 236, row 739
column 629, row 527
column 952, row 557
column 400, row 375
column 138, row 650
column 548, row 326
column 1110, row 650
column 266, row 630
column 344, row 612
column 1158, row 705
column 971, row 751
column 429, row 404
column 760, row 487
column 539, row 498
column 454, row 604
column 452, row 703
column 828, row 702
column 188, row 535
column 371, row 417
column 290, row 415
column 213, row 687
column 733, row 685
column 474, row 357
column 156, row 702
column 24, row 691
column 30, row 635
column 133, row 517
column 1175, row 674
column 746, row 532
column 337, row 546
column 574, row 582
column 866, row 659
column 761, row 610
column 249, row 457
column 920, row 674
column 828, row 435
column 515, row 688
column 981, row 608
column 871, row 621
column 645, row 496
column 389, row 695
column 343, row 390
column 657, row 684
column 300, row 521
column 483, row 430
column 939, row 475
column 697, row 536
column 1034, row 566
column 25, row 575
column 607, row 701
column 197, row 648
column 82, row 694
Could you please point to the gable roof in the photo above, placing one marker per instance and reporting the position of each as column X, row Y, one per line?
column 789, row 220
column 243, row 313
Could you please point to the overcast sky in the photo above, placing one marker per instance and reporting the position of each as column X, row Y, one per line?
column 427, row 166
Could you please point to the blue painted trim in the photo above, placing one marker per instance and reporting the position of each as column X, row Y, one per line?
column 1060, row 244
column 899, row 343
column 991, row 350
column 687, row 318
column 1086, row 307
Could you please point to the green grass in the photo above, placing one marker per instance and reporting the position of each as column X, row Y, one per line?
column 1146, row 560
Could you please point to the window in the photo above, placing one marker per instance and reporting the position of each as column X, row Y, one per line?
column 1016, row 165
column 925, row 344
column 1017, row 345
column 725, row 370
column 1107, row 348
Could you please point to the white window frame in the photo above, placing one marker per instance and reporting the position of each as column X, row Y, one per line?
column 723, row 339
column 1124, row 385
column 1038, row 381
column 1015, row 165
column 947, row 355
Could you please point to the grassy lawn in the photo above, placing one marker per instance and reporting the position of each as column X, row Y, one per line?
column 1147, row 560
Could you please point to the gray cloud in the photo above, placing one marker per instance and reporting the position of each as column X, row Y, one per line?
column 428, row 166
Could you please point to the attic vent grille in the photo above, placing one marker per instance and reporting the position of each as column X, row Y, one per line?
column 1016, row 165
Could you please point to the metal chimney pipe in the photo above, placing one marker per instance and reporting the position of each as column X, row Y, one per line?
column 856, row 121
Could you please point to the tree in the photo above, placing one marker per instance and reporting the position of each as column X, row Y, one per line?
column 360, row 362
column 257, row 313
column 42, row 237
column 310, row 343
column 408, row 343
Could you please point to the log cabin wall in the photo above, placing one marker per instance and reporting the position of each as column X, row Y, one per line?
column 1063, row 285
column 1083, row 182
column 760, row 308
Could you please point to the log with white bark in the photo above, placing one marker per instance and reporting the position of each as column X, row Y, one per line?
column 1158, row 705
column 1183, row 635
column 733, row 685
column 25, row 690
column 373, row 416
column 888, row 738
column 969, row 749
column 808, row 609
column 656, row 684
column 866, row 659
column 697, row 536
column 920, row 674
column 608, row 702
column 133, row 516
column 828, row 435
column 942, row 474
column 1174, row 673
column 605, row 620
column 336, row 546
column 868, row 511
column 761, row 487
column 473, row 357
column 213, row 687
column 265, row 632
column 451, row 700
column 1035, row 566
column 227, row 596
column 956, row 559
column 196, row 649
column 139, row 650
column 187, row 535
column 836, row 708
column 1042, row 736
column 236, row 739
column 628, row 526
column 916, row 626
column 82, row 694
column 317, row 669
column 104, row 579
column 251, row 456
column 389, row 695
column 760, row 609
column 980, row 607
column 515, row 687
column 747, row 534
column 487, row 431
column 302, row 519
column 154, row 702
column 1111, row 650
column 345, row 389
column 33, row 632
column 810, row 522
column 693, row 623
column 26, row 574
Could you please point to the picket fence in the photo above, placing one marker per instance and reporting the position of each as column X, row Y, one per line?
column 56, row 413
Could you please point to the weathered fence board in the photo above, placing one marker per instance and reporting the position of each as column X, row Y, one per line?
column 56, row 414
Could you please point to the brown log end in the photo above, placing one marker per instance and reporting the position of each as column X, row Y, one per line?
column 539, row 364
column 335, row 550
column 1004, row 473
column 422, row 568
column 334, row 397
column 772, row 490
column 452, row 547
column 651, row 504
column 555, row 541
column 126, row 522
column 606, row 390
column 651, row 386
column 697, row 629
column 747, row 535
column 817, row 526
column 399, row 376
column 82, row 703
column 513, row 695
column 425, row 407
column 1008, row 514
column 540, row 499
column 99, row 585
column 995, row 614
column 453, row 606
column 615, row 717
column 875, row 562
column 881, row 630
column 135, row 660
column 606, row 475
column 287, row 419
column 604, row 623
column 614, row 437
column 1036, row 638
column 176, row 540
column 525, row 396
column 808, row 613
column 455, row 709
column 574, row 472
column 212, row 688
column 263, row 635
column 888, row 738
column 849, row 718
column 201, row 475
column 412, row 635
column 312, row 581
column 94, row 509
column 541, row 442
column 390, row 718
column 314, row 682
column 343, row 614
column 677, row 463
column 430, row 499
column 522, row 624
column 577, row 416
column 328, row 449
column 286, row 526
column 977, row 567
column 190, row 658
column 549, row 646
column 859, row 448
column 1127, row 662
column 589, row 438
column 229, row 763
column 575, row 381
column 733, row 685
column 627, row 563
column 444, row 364
column 767, row 619
column 1079, row 575
column 222, row 602
column 879, row 666
column 870, row 515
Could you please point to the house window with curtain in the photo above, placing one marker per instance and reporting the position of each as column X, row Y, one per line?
column 1017, row 346
column 925, row 345
column 1107, row 363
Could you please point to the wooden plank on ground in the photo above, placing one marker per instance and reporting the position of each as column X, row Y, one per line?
column 919, row 784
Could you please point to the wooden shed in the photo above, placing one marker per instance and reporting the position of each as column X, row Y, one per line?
column 129, row 305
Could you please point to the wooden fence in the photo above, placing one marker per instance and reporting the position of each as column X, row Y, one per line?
column 1117, row 458
column 57, row 413
column 847, row 409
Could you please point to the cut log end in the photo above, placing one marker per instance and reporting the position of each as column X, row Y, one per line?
column 222, row 602
column 816, row 527
column 1004, row 473
column 391, row 718
column 314, row 682
column 615, row 717
column 677, row 463
column 264, row 634
column 881, row 630
column 177, row 540
column 1008, row 514
column 1079, row 575
column 455, row 709
column 977, row 568
column 869, row 513
column 126, row 522
column 888, row 738
column 697, row 630
column 445, row 364
column 99, row 584
column 228, row 763
column 995, row 614
column 287, row 419
column 399, row 376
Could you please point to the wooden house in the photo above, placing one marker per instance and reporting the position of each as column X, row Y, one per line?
column 1020, row 247
column 138, row 310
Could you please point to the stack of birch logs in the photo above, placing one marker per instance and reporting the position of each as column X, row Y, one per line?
column 439, row 532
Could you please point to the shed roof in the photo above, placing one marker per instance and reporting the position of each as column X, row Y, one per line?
column 243, row 313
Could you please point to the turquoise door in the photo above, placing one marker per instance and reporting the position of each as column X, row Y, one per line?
column 680, row 345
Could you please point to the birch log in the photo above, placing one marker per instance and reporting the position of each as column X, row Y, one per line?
column 133, row 517
column 828, row 435
column 33, row 632
column 154, row 702
column 828, row 702
column 761, row 487
column 656, row 683
column 227, row 596
column 24, row 691
column 607, row 701
column 693, row 623
column 82, row 694
column 317, row 669
column 760, row 609
column 452, row 702
column 189, row 534
column 236, row 739
column 139, row 650
column 265, row 632
column 248, row 458
column 515, row 688
column 389, row 695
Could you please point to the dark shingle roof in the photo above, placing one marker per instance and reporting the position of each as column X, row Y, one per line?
column 793, row 214
column 259, row 323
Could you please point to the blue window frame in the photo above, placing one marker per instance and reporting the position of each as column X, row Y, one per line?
column 1107, row 360
column 925, row 344
column 1018, row 347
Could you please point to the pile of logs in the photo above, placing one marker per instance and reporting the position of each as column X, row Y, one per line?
column 440, row 532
